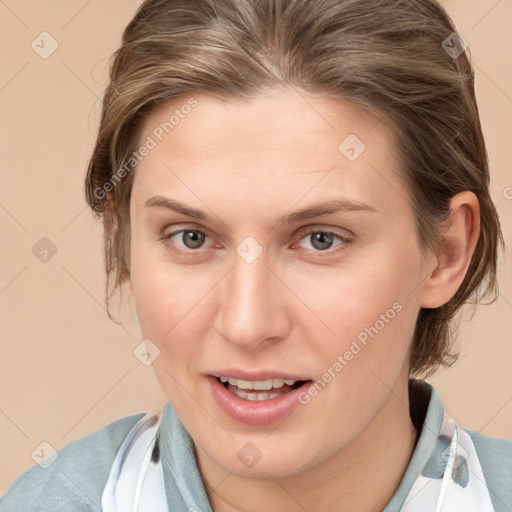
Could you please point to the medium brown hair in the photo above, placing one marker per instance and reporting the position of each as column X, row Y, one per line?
column 398, row 59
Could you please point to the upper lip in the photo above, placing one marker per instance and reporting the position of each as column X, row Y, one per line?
column 257, row 375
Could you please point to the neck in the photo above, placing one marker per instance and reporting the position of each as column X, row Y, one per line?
column 363, row 476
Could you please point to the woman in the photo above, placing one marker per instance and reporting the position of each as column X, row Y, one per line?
column 296, row 195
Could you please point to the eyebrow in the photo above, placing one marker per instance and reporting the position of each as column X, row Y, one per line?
column 327, row 208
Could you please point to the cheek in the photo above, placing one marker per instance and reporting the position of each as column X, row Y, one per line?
column 170, row 318
column 368, row 313
column 353, row 296
column 171, row 303
column 154, row 294
column 157, row 287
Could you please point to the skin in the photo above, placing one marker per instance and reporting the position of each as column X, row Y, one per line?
column 296, row 307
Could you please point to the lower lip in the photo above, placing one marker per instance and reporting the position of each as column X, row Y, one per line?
column 263, row 412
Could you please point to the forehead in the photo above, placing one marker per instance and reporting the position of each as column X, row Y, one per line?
column 271, row 120
column 281, row 141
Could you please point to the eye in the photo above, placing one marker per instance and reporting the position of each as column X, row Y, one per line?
column 186, row 241
column 189, row 238
column 322, row 241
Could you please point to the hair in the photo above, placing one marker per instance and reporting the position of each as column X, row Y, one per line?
column 389, row 57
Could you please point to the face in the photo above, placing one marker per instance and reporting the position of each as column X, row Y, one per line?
column 274, row 240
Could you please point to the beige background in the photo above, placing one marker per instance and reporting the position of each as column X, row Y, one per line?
column 65, row 369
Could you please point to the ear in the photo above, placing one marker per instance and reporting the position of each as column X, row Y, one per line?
column 458, row 241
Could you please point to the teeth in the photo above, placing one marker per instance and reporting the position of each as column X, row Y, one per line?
column 260, row 385
column 255, row 397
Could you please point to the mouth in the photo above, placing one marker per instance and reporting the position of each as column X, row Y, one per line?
column 262, row 398
column 259, row 390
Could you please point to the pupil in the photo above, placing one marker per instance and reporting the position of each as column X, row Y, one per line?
column 322, row 238
column 199, row 239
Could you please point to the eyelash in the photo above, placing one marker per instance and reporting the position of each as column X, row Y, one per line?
column 345, row 241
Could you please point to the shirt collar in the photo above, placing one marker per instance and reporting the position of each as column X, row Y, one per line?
column 426, row 411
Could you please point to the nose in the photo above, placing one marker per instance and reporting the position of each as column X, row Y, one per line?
column 253, row 307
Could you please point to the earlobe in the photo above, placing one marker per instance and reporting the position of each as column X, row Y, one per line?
column 457, row 245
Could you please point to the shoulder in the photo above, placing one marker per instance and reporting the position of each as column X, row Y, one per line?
column 74, row 481
column 495, row 456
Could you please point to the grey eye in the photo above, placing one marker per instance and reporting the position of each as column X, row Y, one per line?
column 192, row 239
column 321, row 240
